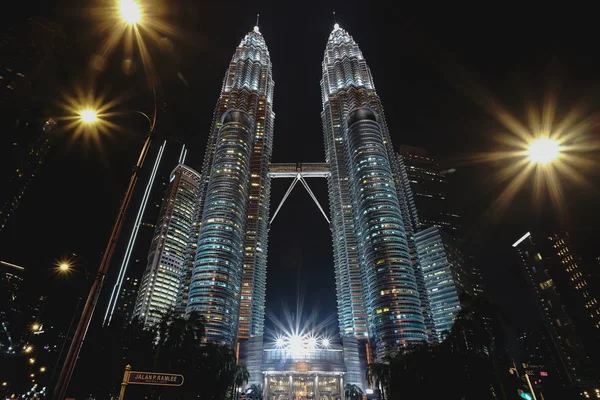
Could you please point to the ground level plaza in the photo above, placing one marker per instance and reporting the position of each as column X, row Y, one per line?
column 303, row 386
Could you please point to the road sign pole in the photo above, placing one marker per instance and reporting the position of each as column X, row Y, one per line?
column 124, row 383
column 530, row 387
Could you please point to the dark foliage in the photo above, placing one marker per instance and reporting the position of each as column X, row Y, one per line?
column 176, row 345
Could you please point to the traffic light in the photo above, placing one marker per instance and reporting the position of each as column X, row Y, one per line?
column 525, row 393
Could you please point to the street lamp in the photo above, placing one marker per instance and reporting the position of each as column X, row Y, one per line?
column 64, row 267
column 92, row 298
column 88, row 116
column 543, row 150
column 130, row 11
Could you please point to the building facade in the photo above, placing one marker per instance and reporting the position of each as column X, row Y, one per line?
column 316, row 373
column 30, row 54
column 376, row 282
column 445, row 277
column 567, row 310
column 447, row 269
column 166, row 262
column 430, row 190
column 131, row 257
column 228, row 281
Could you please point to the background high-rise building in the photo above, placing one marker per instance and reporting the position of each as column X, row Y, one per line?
column 375, row 277
column 131, row 257
column 228, row 281
column 166, row 262
column 445, row 276
column 29, row 69
column 430, row 190
column 11, row 280
column 448, row 270
column 567, row 310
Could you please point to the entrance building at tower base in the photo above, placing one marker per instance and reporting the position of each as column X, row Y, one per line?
column 299, row 370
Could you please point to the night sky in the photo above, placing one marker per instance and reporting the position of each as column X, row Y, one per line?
column 435, row 70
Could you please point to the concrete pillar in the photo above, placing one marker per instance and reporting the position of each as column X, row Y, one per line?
column 290, row 394
column 317, row 395
column 266, row 388
column 342, row 392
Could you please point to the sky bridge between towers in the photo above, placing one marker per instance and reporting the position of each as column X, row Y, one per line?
column 298, row 172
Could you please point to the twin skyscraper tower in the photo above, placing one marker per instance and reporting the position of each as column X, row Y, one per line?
column 209, row 252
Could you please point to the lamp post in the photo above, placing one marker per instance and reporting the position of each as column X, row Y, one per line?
column 89, row 117
column 131, row 14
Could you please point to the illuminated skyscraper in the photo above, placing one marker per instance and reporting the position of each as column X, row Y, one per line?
column 375, row 276
column 446, row 271
column 569, row 313
column 430, row 190
column 444, row 276
column 166, row 261
column 228, row 280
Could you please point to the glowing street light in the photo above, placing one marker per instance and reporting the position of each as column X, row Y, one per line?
column 64, row 266
column 87, row 313
column 88, row 116
column 32, row 361
column 28, row 349
column 543, row 150
column 42, row 369
column 130, row 11
column 35, row 327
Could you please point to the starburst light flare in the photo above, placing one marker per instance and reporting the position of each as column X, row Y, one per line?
column 130, row 11
column 133, row 23
column 87, row 116
column 544, row 153
column 543, row 150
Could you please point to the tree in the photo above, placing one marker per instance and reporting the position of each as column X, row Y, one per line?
column 175, row 345
column 353, row 392
column 468, row 364
column 378, row 375
column 241, row 377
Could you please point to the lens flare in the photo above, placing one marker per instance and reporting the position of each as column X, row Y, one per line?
column 296, row 345
column 132, row 25
column 280, row 342
column 543, row 154
column 130, row 11
column 88, row 116
column 543, row 150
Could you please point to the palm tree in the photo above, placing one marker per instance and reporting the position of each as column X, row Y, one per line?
column 353, row 392
column 377, row 375
column 240, row 378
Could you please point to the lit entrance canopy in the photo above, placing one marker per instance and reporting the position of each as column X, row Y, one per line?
column 298, row 172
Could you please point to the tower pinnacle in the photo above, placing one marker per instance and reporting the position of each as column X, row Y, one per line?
column 256, row 26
